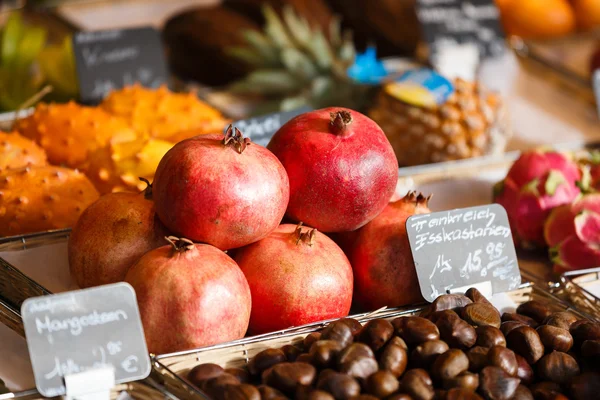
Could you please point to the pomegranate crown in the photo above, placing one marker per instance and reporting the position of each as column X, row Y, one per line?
column 148, row 191
column 307, row 236
column 339, row 121
column 180, row 244
column 236, row 139
column 418, row 198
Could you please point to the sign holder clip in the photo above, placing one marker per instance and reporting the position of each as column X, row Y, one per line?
column 94, row 384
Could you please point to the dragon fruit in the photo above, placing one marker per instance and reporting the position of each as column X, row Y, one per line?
column 572, row 232
column 536, row 183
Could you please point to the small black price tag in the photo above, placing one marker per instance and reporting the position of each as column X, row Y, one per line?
column 108, row 60
column 261, row 129
column 458, row 249
column 452, row 22
column 79, row 331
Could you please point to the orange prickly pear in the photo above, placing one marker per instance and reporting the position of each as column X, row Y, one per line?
column 35, row 199
column 69, row 132
column 17, row 151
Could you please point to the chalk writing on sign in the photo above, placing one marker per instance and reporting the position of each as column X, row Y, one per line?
column 83, row 330
column 453, row 249
column 453, row 22
column 109, row 60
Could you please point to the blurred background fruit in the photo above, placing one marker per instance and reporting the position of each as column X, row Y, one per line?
column 587, row 13
column 17, row 151
column 537, row 19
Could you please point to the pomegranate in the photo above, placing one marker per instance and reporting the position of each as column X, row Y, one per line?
column 189, row 295
column 111, row 235
column 222, row 191
column 384, row 270
column 296, row 276
column 342, row 168
column 536, row 183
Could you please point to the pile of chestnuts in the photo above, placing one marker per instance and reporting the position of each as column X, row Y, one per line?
column 461, row 347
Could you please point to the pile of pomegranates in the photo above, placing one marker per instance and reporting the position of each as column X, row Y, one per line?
column 208, row 252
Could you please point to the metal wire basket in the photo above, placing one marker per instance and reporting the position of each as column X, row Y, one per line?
column 577, row 288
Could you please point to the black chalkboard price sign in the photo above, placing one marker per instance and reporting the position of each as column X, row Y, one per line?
column 261, row 129
column 77, row 332
column 451, row 22
column 458, row 249
column 107, row 60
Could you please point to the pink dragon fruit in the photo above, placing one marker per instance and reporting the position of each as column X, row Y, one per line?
column 536, row 183
column 573, row 233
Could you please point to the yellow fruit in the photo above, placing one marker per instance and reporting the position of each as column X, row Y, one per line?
column 35, row 199
column 17, row 151
column 117, row 167
column 161, row 113
column 587, row 13
column 70, row 132
column 537, row 19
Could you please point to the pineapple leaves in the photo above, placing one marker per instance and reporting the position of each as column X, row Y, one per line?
column 320, row 50
column 292, row 103
column 335, row 29
column 298, row 27
column 267, row 82
column 298, row 64
column 275, row 29
column 246, row 55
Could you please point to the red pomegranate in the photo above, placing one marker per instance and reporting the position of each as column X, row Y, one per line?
column 296, row 276
column 111, row 235
column 221, row 190
column 342, row 168
column 384, row 270
column 189, row 295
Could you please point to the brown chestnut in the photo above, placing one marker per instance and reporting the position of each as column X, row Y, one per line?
column 338, row 331
column 555, row 338
column 465, row 380
column 308, row 393
column 398, row 341
column 477, row 358
column 291, row 352
column 522, row 393
column 507, row 326
column 462, row 394
column 358, row 361
column 324, row 353
column 305, row 358
column 394, row 359
column 590, row 350
column 499, row 356
column 310, row 339
column 476, row 296
column 455, row 331
column 241, row 374
column 376, row 333
column 269, row 393
column 415, row 330
column 557, row 367
column 382, row 384
column 425, row 354
column 585, row 386
column 238, row 392
column 526, row 342
column 519, row 318
column 287, row 376
column 341, row 386
column 488, row 336
column 449, row 364
column 400, row 396
column 481, row 314
column 587, row 330
column 216, row 385
column 534, row 309
column 353, row 324
column 204, row 372
column 496, row 384
column 524, row 370
column 417, row 384
column 450, row 302
column 561, row 319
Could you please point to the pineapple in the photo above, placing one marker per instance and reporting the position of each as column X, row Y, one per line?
column 472, row 122
column 297, row 65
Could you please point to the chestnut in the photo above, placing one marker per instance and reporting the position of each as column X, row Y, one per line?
column 338, row 331
column 526, row 342
column 425, row 354
column 534, row 309
column 481, row 314
column 449, row 364
column 557, row 367
column 376, row 333
column 555, row 338
column 488, row 336
column 415, row 330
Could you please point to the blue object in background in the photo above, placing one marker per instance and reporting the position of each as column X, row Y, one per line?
column 421, row 87
column 367, row 68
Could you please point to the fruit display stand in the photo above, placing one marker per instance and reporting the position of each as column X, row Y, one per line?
column 582, row 288
column 237, row 354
